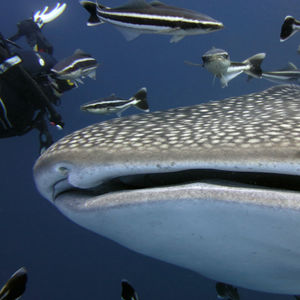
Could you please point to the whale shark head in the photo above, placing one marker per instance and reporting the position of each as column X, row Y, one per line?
column 213, row 188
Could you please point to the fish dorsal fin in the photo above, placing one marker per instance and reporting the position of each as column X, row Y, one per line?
column 290, row 67
column 133, row 4
column 80, row 52
column 158, row 4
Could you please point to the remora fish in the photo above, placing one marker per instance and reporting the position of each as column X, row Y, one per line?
column 289, row 27
column 77, row 66
column 128, row 292
column 289, row 74
column 114, row 104
column 217, row 62
column 139, row 17
column 226, row 291
column 15, row 286
column 192, row 186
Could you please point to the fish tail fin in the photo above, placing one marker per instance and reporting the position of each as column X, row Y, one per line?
column 128, row 292
column 91, row 7
column 288, row 28
column 142, row 96
column 255, row 62
column 16, row 284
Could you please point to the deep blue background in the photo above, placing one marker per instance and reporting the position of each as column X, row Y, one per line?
column 65, row 261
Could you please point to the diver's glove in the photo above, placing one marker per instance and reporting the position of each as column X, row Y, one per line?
column 45, row 16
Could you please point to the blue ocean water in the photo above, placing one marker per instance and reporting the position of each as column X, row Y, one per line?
column 63, row 260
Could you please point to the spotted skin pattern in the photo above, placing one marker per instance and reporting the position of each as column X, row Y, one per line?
column 268, row 119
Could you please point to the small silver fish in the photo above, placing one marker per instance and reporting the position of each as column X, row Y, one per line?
column 114, row 104
column 15, row 286
column 138, row 17
column 289, row 27
column 217, row 61
column 128, row 292
column 77, row 66
column 226, row 291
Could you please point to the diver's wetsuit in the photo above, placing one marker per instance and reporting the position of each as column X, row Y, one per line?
column 27, row 90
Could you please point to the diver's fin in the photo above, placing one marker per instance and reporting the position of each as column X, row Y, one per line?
column 142, row 96
column 255, row 62
column 289, row 27
column 91, row 7
column 192, row 64
column 45, row 16
column 128, row 292
column 15, row 286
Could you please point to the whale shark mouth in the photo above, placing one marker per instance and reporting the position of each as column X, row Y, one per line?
column 256, row 180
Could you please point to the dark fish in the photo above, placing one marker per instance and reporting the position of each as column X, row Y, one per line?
column 77, row 66
column 114, row 104
column 217, row 62
column 128, row 292
column 289, row 27
column 15, row 286
column 227, row 291
column 213, row 187
column 139, row 17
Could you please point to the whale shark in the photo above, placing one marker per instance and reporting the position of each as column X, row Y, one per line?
column 213, row 188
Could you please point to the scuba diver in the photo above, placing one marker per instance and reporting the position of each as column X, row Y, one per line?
column 29, row 92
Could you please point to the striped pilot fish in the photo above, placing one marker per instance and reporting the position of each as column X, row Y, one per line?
column 139, row 17
column 217, row 61
column 114, row 104
column 78, row 65
column 289, row 74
